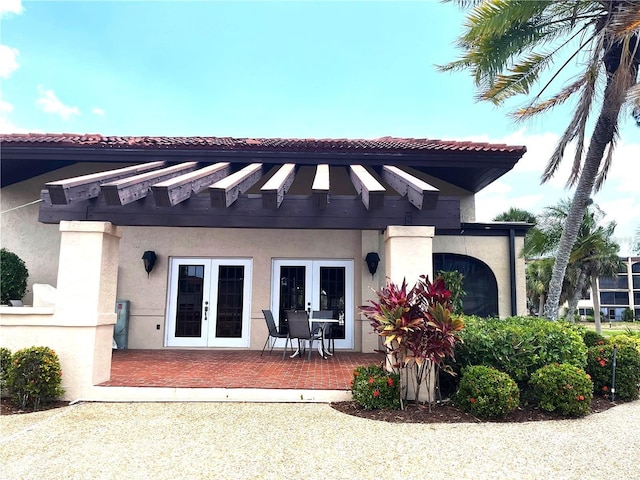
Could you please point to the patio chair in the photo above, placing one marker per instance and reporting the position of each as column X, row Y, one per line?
column 327, row 331
column 299, row 329
column 273, row 331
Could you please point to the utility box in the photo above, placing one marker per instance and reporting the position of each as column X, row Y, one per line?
column 121, row 328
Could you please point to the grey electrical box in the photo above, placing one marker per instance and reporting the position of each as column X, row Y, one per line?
column 121, row 328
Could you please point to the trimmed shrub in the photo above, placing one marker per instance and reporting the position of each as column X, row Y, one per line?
column 34, row 377
column 13, row 277
column 5, row 363
column 562, row 388
column 486, row 392
column 592, row 338
column 373, row 388
column 520, row 345
column 626, row 339
column 600, row 367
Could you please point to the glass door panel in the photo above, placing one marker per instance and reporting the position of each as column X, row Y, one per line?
column 209, row 303
column 315, row 285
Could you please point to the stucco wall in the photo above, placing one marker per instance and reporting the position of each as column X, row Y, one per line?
column 494, row 251
column 148, row 296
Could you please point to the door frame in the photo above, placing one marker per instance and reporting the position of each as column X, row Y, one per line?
column 312, row 275
column 210, row 293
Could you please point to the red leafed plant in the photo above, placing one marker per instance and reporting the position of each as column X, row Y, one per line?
column 416, row 324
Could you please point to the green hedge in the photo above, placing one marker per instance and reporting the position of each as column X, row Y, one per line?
column 519, row 346
column 486, row 392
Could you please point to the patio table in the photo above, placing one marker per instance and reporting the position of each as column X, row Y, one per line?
column 322, row 325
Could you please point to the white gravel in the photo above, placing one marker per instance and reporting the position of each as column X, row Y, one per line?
column 276, row 441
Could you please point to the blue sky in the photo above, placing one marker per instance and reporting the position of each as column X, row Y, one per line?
column 275, row 69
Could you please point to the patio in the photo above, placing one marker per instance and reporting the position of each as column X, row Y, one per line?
column 234, row 369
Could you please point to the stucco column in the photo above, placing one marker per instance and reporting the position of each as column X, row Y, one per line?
column 408, row 253
column 87, row 281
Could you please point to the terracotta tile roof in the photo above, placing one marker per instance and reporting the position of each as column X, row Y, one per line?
column 291, row 144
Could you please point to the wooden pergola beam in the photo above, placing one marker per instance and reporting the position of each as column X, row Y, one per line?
column 419, row 193
column 370, row 190
column 320, row 187
column 128, row 190
column 64, row 192
column 178, row 189
column 226, row 191
column 274, row 190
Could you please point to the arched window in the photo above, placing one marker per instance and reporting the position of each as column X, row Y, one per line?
column 635, row 268
column 479, row 282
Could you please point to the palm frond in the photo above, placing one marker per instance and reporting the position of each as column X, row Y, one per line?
column 602, row 174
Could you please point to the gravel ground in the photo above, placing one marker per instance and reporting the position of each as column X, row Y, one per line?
column 275, row 441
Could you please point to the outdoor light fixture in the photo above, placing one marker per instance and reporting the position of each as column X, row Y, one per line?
column 372, row 260
column 149, row 259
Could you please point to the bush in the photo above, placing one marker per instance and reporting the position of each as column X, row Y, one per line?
column 520, row 345
column 5, row 362
column 374, row 388
column 591, row 338
column 487, row 392
column 562, row 388
column 600, row 367
column 626, row 339
column 34, row 377
column 13, row 277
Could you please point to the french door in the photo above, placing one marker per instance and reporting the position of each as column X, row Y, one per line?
column 209, row 302
column 315, row 285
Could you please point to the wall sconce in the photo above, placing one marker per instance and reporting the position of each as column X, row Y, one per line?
column 149, row 259
column 372, row 259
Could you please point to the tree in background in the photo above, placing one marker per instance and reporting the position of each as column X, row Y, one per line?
column 636, row 242
column 538, row 276
column 594, row 253
column 508, row 44
column 518, row 215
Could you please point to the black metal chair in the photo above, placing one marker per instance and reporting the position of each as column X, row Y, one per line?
column 327, row 330
column 299, row 329
column 273, row 331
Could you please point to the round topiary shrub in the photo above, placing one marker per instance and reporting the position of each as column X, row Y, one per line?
column 5, row 363
column 13, row 277
column 486, row 392
column 562, row 388
column 373, row 388
column 592, row 338
column 600, row 367
column 34, row 377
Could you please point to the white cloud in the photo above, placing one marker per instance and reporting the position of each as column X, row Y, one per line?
column 5, row 107
column 50, row 103
column 8, row 62
column 8, row 7
column 98, row 111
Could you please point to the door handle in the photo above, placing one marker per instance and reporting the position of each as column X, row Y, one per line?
column 206, row 309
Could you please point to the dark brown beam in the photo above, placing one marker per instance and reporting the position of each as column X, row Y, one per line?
column 370, row 190
column 128, row 190
column 419, row 193
column 274, row 190
column 299, row 212
column 226, row 191
column 63, row 192
column 178, row 189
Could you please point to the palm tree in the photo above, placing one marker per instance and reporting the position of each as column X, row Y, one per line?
column 538, row 277
column 516, row 215
column 594, row 253
column 508, row 44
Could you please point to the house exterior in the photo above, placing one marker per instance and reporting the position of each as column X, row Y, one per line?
column 616, row 294
column 238, row 225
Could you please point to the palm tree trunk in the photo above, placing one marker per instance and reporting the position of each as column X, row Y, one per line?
column 596, row 305
column 602, row 134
